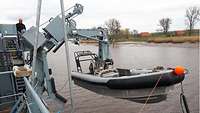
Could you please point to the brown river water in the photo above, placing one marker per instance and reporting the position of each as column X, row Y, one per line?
column 135, row 55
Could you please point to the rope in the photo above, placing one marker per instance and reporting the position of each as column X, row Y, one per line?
column 142, row 109
column 183, row 101
column 64, row 85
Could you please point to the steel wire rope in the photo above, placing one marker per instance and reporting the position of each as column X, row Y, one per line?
column 150, row 94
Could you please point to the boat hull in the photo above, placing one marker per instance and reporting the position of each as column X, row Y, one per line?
column 134, row 88
column 137, row 95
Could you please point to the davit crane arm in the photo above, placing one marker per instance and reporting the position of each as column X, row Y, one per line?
column 52, row 37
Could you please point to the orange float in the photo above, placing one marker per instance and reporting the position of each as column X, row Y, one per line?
column 179, row 70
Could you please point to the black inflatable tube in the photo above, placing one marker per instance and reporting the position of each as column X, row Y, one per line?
column 144, row 82
column 138, row 83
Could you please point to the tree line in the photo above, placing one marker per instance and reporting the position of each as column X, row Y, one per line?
column 114, row 27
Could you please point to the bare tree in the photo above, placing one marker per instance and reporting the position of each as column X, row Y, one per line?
column 193, row 17
column 135, row 32
column 165, row 24
column 113, row 26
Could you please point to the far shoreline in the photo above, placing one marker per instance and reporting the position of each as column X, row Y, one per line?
column 157, row 40
column 169, row 44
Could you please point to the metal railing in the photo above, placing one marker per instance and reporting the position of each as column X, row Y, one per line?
column 6, row 72
column 35, row 96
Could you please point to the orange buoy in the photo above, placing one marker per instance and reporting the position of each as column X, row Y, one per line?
column 179, row 70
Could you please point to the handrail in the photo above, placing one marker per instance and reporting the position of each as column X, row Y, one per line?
column 7, row 96
column 36, row 98
column 6, row 72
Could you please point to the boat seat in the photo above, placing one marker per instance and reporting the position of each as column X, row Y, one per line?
column 108, row 73
column 124, row 72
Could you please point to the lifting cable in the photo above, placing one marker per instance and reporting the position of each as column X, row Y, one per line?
column 142, row 109
column 183, row 101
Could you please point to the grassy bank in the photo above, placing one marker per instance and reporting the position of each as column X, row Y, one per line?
column 180, row 39
column 183, row 39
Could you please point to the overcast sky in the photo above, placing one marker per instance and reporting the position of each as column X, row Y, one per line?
column 142, row 15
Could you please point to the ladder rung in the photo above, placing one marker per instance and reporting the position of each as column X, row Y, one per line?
column 21, row 85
